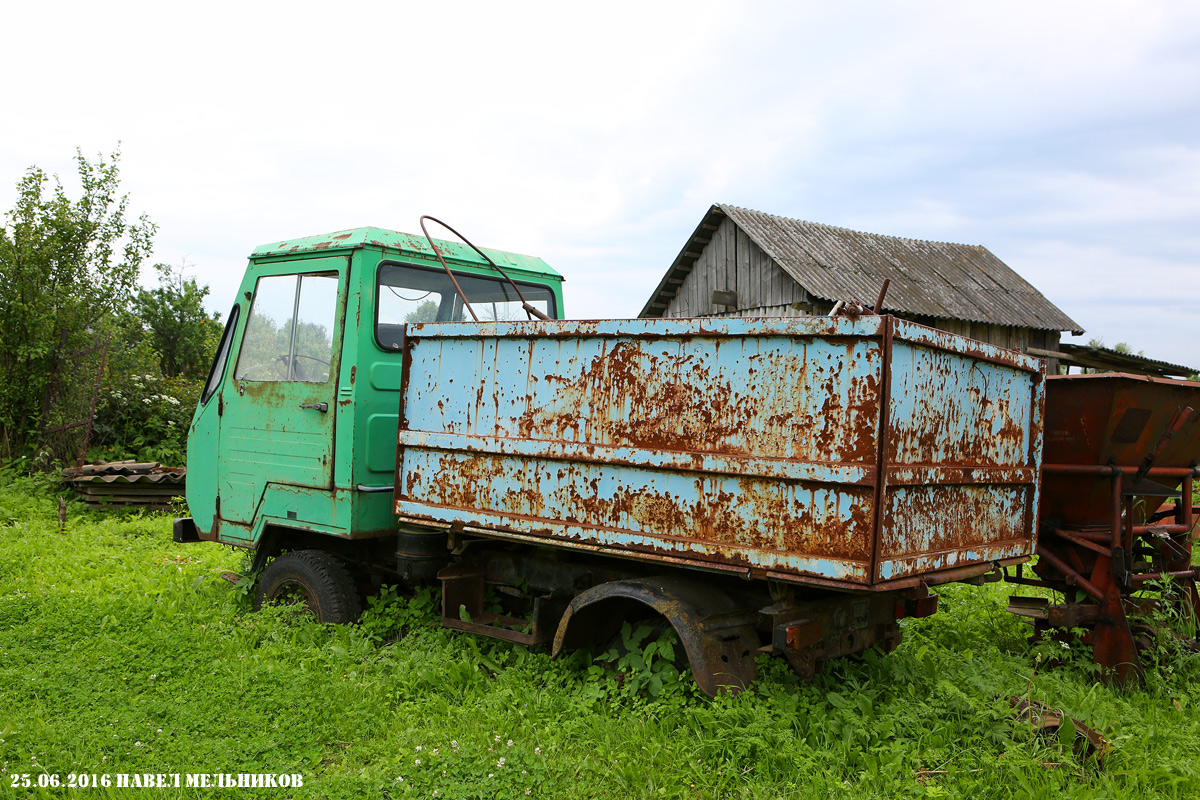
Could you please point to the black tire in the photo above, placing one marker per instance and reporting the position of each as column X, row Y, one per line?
column 314, row 579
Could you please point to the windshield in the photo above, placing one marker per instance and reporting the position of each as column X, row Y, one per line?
column 419, row 294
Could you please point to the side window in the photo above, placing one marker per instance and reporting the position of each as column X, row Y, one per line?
column 289, row 334
column 218, row 367
column 407, row 296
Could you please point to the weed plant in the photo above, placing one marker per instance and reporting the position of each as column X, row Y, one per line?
column 121, row 652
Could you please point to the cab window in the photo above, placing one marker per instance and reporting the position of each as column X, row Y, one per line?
column 289, row 334
column 217, row 370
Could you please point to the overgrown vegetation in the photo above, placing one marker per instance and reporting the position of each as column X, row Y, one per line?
column 77, row 334
column 121, row 652
column 66, row 268
column 145, row 417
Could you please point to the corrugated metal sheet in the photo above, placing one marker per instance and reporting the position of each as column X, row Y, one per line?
column 1109, row 360
column 934, row 279
column 146, row 484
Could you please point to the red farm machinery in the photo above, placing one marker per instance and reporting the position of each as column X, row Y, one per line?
column 1116, row 516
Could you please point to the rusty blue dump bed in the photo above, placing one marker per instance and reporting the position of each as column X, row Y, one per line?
column 864, row 453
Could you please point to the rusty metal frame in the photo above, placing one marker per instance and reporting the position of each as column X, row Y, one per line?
column 1112, row 577
column 884, row 435
column 463, row 596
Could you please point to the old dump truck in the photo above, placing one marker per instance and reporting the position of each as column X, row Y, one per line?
column 792, row 486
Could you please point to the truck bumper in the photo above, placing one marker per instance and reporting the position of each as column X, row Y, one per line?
column 184, row 531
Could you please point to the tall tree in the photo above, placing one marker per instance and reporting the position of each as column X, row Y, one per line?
column 179, row 329
column 65, row 267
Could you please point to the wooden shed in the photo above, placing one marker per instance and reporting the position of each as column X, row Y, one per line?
column 746, row 263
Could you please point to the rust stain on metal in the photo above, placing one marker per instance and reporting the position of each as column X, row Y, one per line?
column 951, row 517
column 729, row 443
column 1117, row 447
column 630, row 396
column 786, row 517
column 990, row 429
column 658, row 395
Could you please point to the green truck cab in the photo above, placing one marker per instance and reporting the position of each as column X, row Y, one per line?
column 293, row 443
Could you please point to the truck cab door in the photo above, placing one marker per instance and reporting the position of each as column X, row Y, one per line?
column 277, row 423
column 204, row 435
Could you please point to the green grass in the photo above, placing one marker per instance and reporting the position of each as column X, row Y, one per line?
column 121, row 652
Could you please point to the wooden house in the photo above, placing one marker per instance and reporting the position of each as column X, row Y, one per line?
column 746, row 263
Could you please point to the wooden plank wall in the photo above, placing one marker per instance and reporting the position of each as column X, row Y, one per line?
column 731, row 262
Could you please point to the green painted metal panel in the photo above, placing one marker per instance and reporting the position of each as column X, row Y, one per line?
column 277, row 426
column 204, row 434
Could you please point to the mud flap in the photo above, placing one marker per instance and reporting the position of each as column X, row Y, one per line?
column 184, row 531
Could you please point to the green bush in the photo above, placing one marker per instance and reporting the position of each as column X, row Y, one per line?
column 145, row 418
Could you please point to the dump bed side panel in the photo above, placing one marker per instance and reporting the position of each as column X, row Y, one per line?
column 963, row 451
column 728, row 444
column 746, row 445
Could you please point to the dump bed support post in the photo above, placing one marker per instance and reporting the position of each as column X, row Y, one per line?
column 885, row 393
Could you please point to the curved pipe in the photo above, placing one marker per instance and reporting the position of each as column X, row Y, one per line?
column 525, row 304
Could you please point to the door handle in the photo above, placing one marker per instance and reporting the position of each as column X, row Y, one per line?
column 322, row 407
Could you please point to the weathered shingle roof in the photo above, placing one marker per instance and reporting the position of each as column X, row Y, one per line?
column 934, row 279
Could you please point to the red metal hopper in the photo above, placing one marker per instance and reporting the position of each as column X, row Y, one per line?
column 1116, row 511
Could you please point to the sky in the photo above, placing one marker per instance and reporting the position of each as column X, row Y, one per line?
column 1064, row 136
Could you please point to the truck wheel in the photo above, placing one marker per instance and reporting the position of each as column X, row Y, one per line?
column 313, row 579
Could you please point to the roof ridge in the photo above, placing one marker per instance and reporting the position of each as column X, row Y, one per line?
column 727, row 206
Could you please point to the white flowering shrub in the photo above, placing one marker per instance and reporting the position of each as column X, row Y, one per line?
column 145, row 417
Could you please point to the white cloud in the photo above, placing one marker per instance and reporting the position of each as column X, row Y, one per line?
column 1060, row 135
column 1147, row 302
